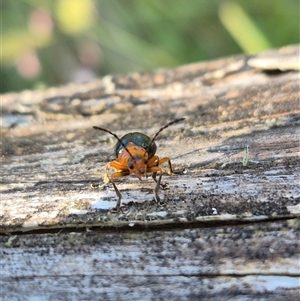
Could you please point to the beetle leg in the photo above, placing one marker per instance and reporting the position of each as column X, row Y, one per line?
column 114, row 164
column 166, row 159
column 155, row 170
column 163, row 186
column 118, row 174
column 106, row 176
column 154, row 176
column 152, row 162
column 155, row 161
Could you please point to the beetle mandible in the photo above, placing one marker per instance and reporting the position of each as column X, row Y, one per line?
column 135, row 154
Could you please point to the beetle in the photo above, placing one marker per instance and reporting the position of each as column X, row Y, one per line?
column 135, row 153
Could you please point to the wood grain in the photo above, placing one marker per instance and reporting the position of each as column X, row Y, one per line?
column 227, row 225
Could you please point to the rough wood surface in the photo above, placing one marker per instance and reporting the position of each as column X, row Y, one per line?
column 228, row 221
column 257, row 261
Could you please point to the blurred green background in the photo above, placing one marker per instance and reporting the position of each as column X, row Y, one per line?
column 47, row 43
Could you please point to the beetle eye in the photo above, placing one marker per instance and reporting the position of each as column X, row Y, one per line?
column 130, row 165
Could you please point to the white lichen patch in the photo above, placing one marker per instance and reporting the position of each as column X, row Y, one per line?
column 294, row 209
column 102, row 204
column 78, row 211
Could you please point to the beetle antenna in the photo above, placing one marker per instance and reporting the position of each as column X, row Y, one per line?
column 164, row 127
column 115, row 135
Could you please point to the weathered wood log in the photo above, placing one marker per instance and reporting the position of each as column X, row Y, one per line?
column 228, row 222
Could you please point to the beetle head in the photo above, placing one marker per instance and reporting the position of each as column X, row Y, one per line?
column 138, row 160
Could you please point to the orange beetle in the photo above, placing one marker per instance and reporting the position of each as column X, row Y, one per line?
column 135, row 154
